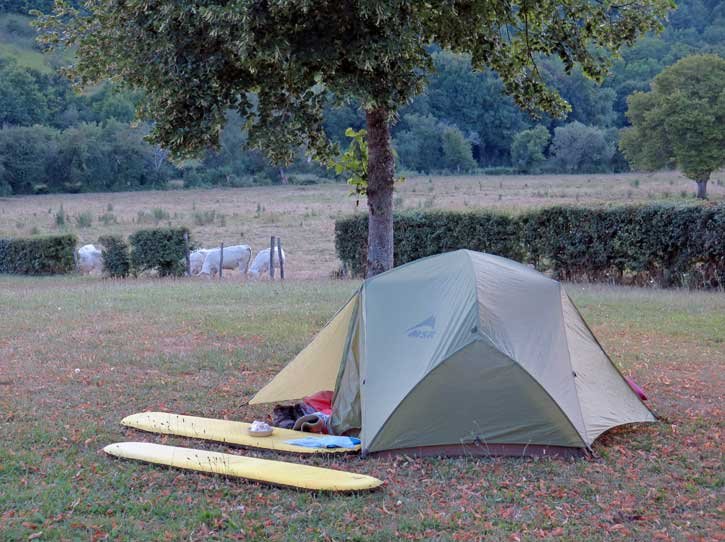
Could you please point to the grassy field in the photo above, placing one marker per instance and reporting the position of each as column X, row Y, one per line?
column 78, row 354
column 17, row 40
column 304, row 215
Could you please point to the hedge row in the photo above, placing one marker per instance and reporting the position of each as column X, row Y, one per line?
column 38, row 255
column 116, row 258
column 161, row 249
column 667, row 245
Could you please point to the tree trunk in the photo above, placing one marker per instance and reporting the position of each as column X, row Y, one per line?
column 381, row 174
column 283, row 176
column 702, row 187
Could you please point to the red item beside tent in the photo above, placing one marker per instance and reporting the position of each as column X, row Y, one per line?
column 636, row 389
column 320, row 401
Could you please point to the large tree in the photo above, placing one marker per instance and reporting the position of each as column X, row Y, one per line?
column 199, row 58
column 681, row 121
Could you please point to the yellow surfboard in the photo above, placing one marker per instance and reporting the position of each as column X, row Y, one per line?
column 228, row 432
column 278, row 473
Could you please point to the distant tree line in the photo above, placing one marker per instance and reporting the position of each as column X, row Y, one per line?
column 53, row 139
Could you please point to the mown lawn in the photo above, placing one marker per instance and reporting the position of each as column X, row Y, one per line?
column 76, row 355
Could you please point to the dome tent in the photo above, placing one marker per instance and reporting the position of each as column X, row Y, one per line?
column 463, row 352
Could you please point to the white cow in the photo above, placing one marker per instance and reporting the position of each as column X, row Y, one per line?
column 89, row 259
column 196, row 260
column 260, row 265
column 234, row 256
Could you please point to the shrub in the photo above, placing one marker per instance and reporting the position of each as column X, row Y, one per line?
column 202, row 218
column 38, row 255
column 457, row 152
column 84, row 220
column 424, row 144
column 60, row 217
column 107, row 218
column 577, row 148
column 116, row 258
column 162, row 249
column 667, row 245
column 527, row 148
column 154, row 216
column 418, row 143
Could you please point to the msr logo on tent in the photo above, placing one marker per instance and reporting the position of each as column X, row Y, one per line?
column 425, row 330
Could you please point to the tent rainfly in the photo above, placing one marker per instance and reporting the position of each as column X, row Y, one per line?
column 461, row 353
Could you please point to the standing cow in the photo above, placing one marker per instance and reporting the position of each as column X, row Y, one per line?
column 235, row 256
column 196, row 260
column 260, row 265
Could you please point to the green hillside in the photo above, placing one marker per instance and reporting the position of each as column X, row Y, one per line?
column 17, row 41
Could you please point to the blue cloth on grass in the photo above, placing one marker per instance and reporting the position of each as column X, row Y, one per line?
column 326, row 441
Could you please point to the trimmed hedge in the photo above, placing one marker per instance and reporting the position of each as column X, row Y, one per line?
column 116, row 258
column 4, row 256
column 38, row 255
column 162, row 249
column 421, row 234
column 667, row 245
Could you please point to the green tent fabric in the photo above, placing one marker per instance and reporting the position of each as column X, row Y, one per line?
column 463, row 352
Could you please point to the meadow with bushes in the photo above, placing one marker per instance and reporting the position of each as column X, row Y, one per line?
column 305, row 215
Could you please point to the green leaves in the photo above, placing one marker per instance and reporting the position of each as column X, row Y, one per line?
column 196, row 60
column 354, row 162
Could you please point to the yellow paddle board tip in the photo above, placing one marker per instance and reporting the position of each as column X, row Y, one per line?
column 280, row 473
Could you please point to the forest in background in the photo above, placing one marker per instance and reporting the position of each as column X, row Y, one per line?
column 55, row 140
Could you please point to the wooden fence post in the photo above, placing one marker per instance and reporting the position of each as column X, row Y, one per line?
column 221, row 259
column 186, row 252
column 281, row 259
column 271, row 258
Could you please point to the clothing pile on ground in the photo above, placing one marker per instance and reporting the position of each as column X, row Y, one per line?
column 312, row 415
